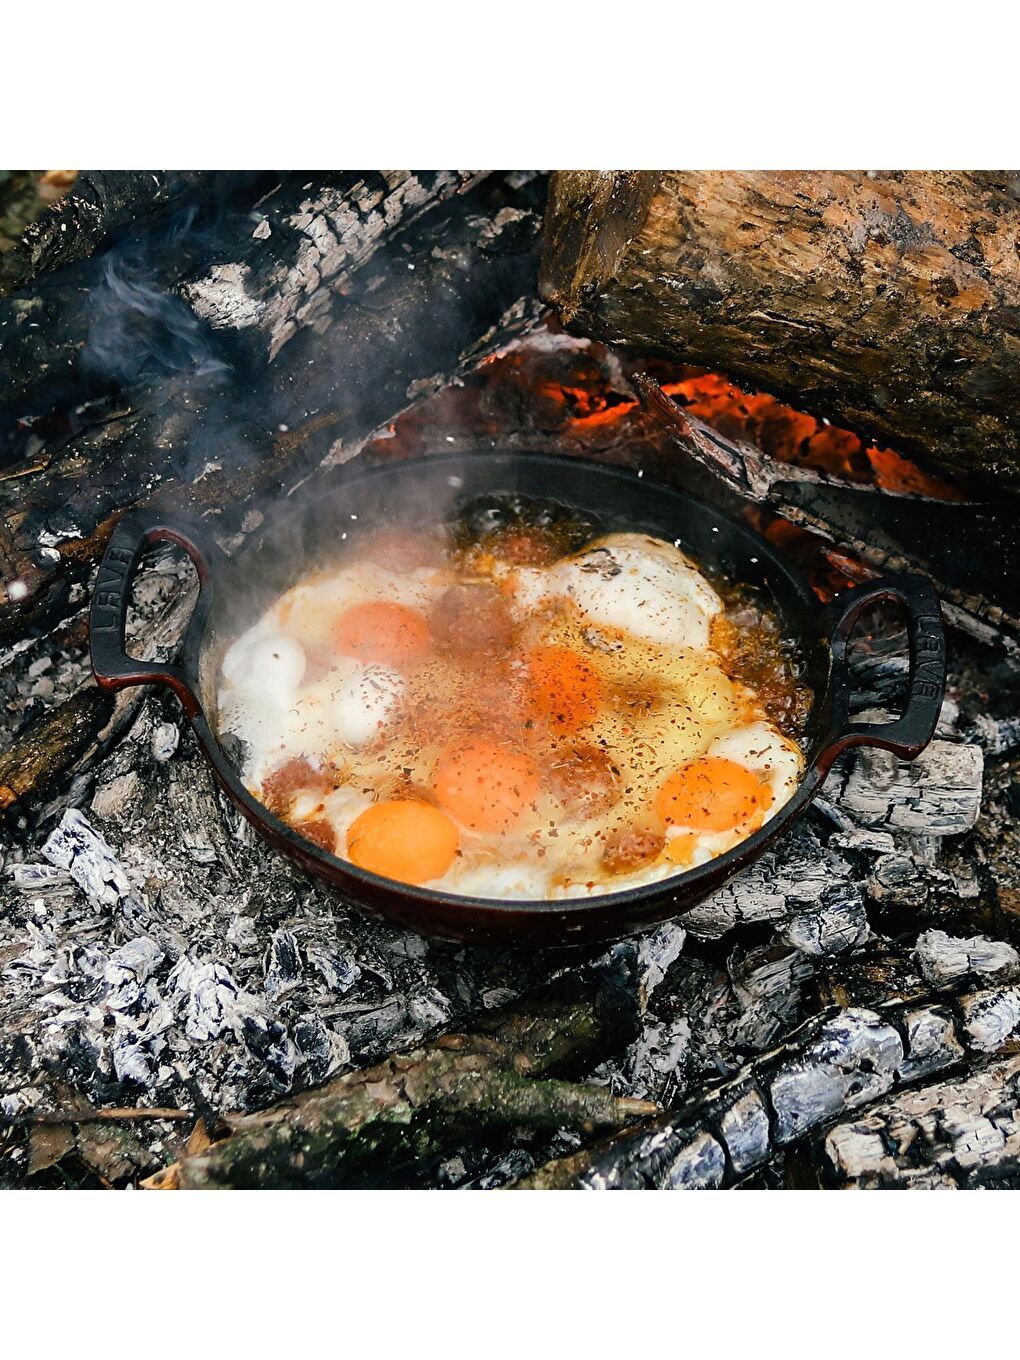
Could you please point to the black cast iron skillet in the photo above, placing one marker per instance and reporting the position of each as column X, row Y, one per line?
column 235, row 591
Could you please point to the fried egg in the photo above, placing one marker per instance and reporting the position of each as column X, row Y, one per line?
column 601, row 745
column 759, row 747
column 310, row 611
column 359, row 617
column 631, row 582
column 713, row 803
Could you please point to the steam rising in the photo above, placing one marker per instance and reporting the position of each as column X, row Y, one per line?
column 139, row 331
column 199, row 405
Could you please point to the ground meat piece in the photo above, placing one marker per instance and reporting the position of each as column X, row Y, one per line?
column 628, row 847
column 584, row 779
column 319, row 832
column 472, row 620
column 295, row 776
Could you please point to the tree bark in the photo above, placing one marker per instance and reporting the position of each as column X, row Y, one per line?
column 379, row 1124
column 888, row 300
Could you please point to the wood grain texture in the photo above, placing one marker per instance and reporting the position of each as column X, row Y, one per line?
column 890, row 300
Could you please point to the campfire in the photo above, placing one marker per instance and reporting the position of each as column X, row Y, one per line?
column 181, row 1007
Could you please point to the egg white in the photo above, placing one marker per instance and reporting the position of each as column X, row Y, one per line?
column 514, row 880
column 631, row 582
column 351, row 705
column 759, row 747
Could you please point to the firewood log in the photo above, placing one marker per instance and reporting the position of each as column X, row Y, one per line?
column 956, row 1134
column 74, row 735
column 461, row 285
column 888, row 532
column 281, row 251
column 888, row 300
column 97, row 203
column 375, row 1126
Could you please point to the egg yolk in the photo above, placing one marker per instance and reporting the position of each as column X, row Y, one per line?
column 712, row 794
column 410, row 841
column 486, row 786
column 382, row 633
column 565, row 689
column 681, row 847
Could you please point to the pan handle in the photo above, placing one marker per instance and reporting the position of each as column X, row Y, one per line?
column 111, row 665
column 909, row 734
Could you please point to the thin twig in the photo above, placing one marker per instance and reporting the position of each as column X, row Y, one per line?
column 112, row 1115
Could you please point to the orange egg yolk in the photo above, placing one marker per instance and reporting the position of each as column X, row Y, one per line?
column 486, row 786
column 382, row 633
column 712, row 794
column 681, row 847
column 410, row 841
column 565, row 688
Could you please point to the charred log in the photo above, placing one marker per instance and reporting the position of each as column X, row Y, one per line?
column 308, row 242
column 45, row 755
column 887, row 299
column 98, row 202
column 404, row 324
column 938, row 794
column 49, row 749
column 890, row 532
column 837, row 1063
column 960, row 1134
column 230, row 268
column 385, row 1121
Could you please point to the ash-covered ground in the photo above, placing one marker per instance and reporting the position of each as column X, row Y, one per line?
column 154, row 952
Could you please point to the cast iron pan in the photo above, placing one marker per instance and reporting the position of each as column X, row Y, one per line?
column 236, row 590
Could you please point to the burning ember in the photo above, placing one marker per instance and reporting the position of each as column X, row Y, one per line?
column 578, row 392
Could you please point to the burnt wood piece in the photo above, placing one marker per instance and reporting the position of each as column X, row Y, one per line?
column 378, row 1125
column 229, row 269
column 967, row 548
column 48, row 749
column 98, row 203
column 838, row 1062
column 409, row 321
column 888, row 300
column 72, row 737
column 938, row 794
column 309, row 237
column 958, row 1134
column 808, row 893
